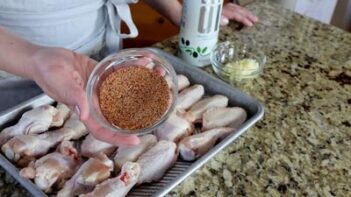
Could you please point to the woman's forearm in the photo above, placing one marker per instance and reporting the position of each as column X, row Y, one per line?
column 171, row 9
column 15, row 54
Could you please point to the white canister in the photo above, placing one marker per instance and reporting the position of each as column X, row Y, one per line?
column 199, row 30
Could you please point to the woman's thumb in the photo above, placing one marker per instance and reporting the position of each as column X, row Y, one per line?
column 224, row 21
column 82, row 106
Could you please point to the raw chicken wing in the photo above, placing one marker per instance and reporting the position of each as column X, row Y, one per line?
column 189, row 96
column 156, row 161
column 119, row 186
column 24, row 148
column 92, row 147
column 183, row 82
column 195, row 112
column 132, row 153
column 194, row 146
column 35, row 121
column 92, row 172
column 54, row 168
column 174, row 129
column 223, row 117
column 78, row 128
column 63, row 112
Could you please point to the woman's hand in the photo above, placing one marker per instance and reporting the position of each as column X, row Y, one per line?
column 235, row 12
column 172, row 10
column 62, row 74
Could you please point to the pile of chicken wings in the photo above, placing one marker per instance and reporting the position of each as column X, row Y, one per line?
column 54, row 149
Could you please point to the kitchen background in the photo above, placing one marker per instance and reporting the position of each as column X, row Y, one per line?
column 335, row 12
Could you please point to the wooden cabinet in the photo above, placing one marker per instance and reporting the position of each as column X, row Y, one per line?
column 152, row 26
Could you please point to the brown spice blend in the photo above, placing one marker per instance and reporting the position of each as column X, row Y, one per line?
column 134, row 97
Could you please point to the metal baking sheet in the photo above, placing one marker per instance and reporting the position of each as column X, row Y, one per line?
column 181, row 169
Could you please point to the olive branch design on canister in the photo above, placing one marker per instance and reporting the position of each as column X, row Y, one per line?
column 193, row 51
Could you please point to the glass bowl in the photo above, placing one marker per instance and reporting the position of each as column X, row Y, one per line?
column 246, row 61
column 125, row 58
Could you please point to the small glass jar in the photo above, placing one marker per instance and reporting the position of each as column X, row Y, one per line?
column 125, row 58
column 227, row 52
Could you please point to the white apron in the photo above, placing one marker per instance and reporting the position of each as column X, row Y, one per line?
column 84, row 26
column 79, row 25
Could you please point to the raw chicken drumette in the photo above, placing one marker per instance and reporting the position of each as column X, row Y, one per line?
column 196, row 111
column 183, row 82
column 25, row 148
column 132, row 153
column 63, row 112
column 174, row 129
column 35, row 121
column 90, row 173
column 156, row 161
column 189, row 96
column 92, row 147
column 223, row 117
column 192, row 147
column 119, row 186
column 54, row 168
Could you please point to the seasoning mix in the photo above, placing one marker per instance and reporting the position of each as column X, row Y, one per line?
column 134, row 97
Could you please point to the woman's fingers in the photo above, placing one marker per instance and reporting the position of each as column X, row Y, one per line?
column 114, row 138
column 108, row 136
column 238, row 13
column 224, row 20
column 242, row 18
column 82, row 106
column 252, row 17
column 246, row 13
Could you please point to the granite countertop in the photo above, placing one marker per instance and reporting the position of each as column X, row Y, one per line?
column 303, row 144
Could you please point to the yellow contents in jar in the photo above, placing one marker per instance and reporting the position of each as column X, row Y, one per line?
column 245, row 68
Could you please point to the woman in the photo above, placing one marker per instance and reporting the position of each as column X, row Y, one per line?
column 50, row 42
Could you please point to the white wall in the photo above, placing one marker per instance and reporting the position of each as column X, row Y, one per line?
column 290, row 4
column 321, row 10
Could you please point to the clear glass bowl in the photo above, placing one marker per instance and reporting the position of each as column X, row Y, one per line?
column 228, row 52
column 129, row 57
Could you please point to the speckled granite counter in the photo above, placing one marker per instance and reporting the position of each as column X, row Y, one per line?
column 302, row 147
column 303, row 144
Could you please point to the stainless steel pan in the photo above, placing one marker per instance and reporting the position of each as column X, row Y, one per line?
column 181, row 170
